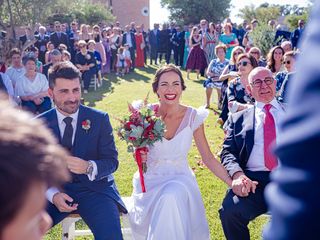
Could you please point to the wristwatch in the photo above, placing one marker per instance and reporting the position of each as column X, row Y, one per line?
column 89, row 168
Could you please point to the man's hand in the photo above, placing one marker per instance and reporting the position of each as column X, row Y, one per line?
column 38, row 100
column 77, row 165
column 59, row 200
column 242, row 185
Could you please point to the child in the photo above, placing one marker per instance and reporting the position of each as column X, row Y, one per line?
column 121, row 63
column 127, row 57
column 97, row 56
column 47, row 57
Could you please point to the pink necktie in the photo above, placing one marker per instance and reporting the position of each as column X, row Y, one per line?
column 269, row 136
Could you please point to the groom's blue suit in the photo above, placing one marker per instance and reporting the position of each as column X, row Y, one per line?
column 99, row 200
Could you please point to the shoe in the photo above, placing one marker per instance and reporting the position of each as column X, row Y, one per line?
column 207, row 106
column 220, row 121
column 85, row 91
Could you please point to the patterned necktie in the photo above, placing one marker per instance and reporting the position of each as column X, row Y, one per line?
column 67, row 135
column 269, row 136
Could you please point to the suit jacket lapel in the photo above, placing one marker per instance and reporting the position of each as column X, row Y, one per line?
column 249, row 119
column 53, row 124
column 81, row 135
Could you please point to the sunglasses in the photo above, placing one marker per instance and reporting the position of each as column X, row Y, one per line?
column 257, row 83
column 82, row 46
column 287, row 62
column 237, row 53
column 255, row 53
column 244, row 63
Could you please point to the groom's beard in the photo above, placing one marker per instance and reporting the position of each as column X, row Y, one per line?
column 68, row 107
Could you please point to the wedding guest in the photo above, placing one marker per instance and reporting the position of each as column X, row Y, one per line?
column 172, row 207
column 56, row 57
column 196, row 59
column 84, row 33
column 214, row 71
column 96, row 34
column 47, row 57
column 66, row 56
column 97, row 56
column 6, row 86
column 73, row 38
column 121, row 62
column 86, row 63
column 247, row 156
column 32, row 88
column 256, row 53
column 115, row 43
column 140, row 45
column 286, row 46
column 41, row 43
column 178, row 42
column 288, row 62
column 28, row 39
column 275, row 60
column 210, row 41
column 87, row 134
column 163, row 42
column 35, row 52
column 154, row 37
column 229, row 39
column 105, row 34
column 58, row 36
column 30, row 162
column 171, row 32
column 186, row 45
column 16, row 70
column 129, row 38
column 297, row 34
column 293, row 195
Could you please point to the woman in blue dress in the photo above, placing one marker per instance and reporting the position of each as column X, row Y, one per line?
column 229, row 39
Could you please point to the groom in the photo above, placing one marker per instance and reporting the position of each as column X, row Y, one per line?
column 87, row 134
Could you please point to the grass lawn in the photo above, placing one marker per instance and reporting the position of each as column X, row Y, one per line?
column 113, row 97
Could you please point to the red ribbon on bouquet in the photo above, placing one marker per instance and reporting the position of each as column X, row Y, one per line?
column 140, row 165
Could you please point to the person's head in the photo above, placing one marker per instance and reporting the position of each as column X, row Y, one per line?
column 29, row 62
column 30, row 162
column 64, row 27
column 194, row 31
column 286, row 46
column 275, row 55
column 227, row 28
column 34, row 50
column 132, row 25
column 254, row 24
column 244, row 24
column 212, row 27
column 289, row 60
column 64, row 87
column 42, row 30
column 168, row 84
column 156, row 26
column 172, row 24
column 82, row 45
column 84, row 29
column 218, row 27
column 57, row 26
column 55, row 56
column 117, row 24
column 203, row 23
column 120, row 50
column 301, row 23
column 96, row 29
column 246, row 63
column 91, row 45
column 164, row 26
column 236, row 51
column 127, row 28
column 66, row 56
column 272, row 23
column 74, row 26
column 50, row 46
column 262, row 85
column 28, row 31
column 62, row 47
column 255, row 52
column 15, row 56
column 220, row 51
column 138, row 29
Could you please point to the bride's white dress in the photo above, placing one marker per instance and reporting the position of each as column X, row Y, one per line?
column 172, row 207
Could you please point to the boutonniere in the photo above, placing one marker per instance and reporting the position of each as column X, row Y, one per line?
column 86, row 125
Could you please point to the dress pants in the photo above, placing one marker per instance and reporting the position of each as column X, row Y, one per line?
column 99, row 211
column 236, row 212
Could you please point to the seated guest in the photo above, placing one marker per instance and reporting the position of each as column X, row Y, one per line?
column 55, row 58
column 86, row 63
column 6, row 85
column 256, row 53
column 30, row 162
column 238, row 96
column 16, row 69
column 50, row 47
column 274, row 60
column 32, row 88
column 247, row 157
column 288, row 62
column 286, row 46
column 214, row 71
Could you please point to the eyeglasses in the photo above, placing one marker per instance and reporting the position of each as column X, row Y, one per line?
column 287, row 62
column 243, row 63
column 257, row 83
column 82, row 46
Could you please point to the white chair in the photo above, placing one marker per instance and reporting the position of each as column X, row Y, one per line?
column 69, row 231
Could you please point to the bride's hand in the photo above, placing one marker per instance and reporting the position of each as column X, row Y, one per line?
column 143, row 156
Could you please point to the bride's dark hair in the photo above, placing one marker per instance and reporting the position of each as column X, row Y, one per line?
column 165, row 69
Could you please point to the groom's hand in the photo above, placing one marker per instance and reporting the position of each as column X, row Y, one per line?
column 242, row 185
column 77, row 165
column 59, row 200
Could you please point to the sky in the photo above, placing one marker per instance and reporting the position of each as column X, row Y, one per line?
column 160, row 15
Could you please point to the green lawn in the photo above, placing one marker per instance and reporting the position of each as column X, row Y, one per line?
column 113, row 97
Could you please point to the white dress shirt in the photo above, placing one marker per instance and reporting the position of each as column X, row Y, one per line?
column 129, row 40
column 15, row 74
column 62, row 125
column 256, row 159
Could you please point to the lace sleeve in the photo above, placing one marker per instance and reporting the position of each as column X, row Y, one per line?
column 200, row 116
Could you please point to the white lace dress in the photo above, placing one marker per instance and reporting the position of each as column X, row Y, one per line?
column 172, row 207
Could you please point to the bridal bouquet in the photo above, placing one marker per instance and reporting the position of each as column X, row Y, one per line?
column 141, row 128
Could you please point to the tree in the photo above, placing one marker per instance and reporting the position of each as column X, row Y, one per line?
column 192, row 11
column 263, row 13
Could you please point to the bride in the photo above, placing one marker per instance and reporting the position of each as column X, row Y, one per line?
column 172, row 207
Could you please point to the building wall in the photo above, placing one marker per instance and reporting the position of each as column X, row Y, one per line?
column 127, row 11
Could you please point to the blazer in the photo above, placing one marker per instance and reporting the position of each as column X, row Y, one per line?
column 154, row 38
column 95, row 144
column 56, row 40
column 239, row 141
column 133, row 39
column 41, row 44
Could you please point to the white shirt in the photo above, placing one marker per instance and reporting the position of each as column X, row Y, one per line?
column 7, row 82
column 256, row 159
column 15, row 74
column 129, row 40
column 62, row 126
column 27, row 87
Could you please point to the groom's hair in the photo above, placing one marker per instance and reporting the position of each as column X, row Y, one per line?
column 64, row 70
column 29, row 155
column 166, row 69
